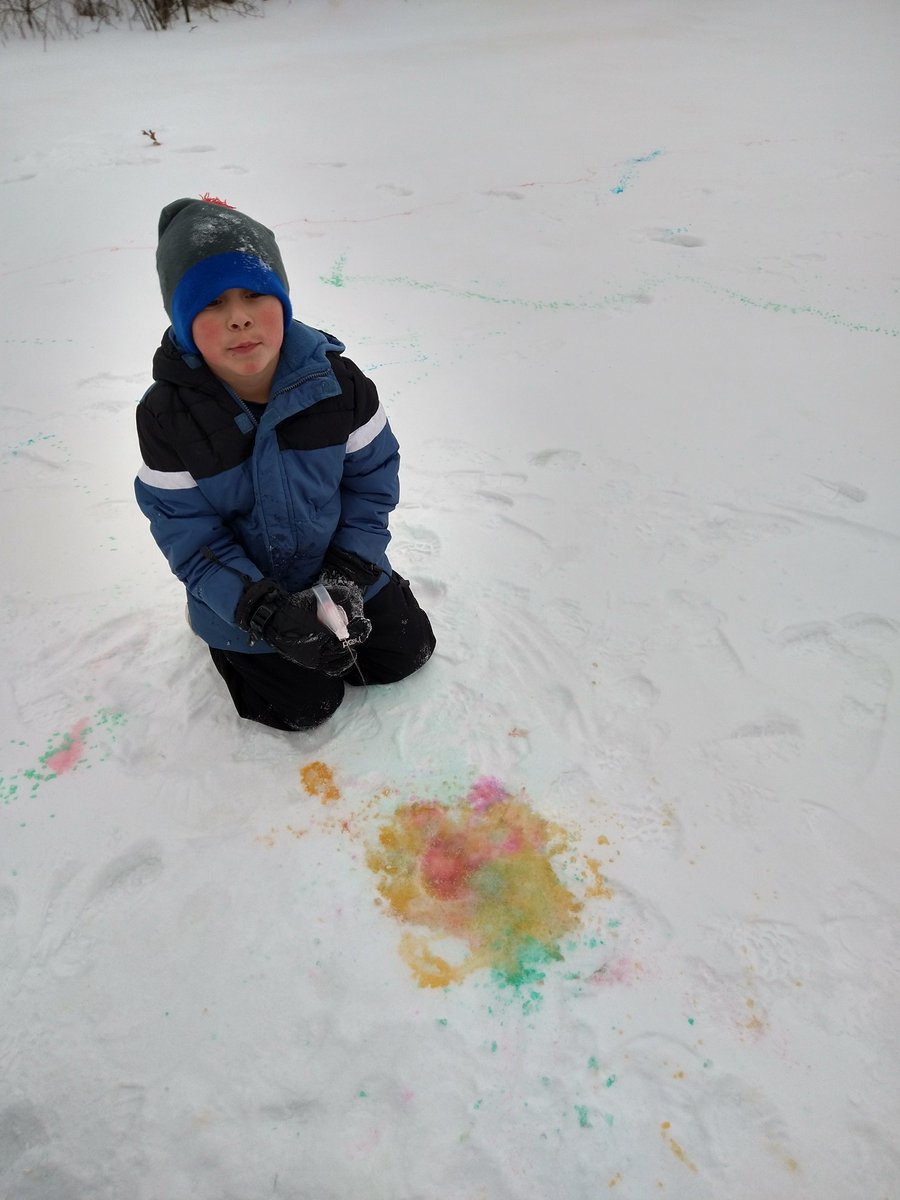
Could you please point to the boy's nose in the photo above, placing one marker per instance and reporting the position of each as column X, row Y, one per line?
column 238, row 318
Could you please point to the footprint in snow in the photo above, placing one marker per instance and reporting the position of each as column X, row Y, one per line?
column 676, row 237
column 128, row 874
column 557, row 460
column 840, row 490
column 429, row 589
column 840, row 659
column 416, row 540
column 394, row 189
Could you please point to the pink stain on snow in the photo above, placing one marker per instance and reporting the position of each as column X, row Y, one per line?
column 71, row 751
column 618, row 970
column 513, row 844
column 486, row 791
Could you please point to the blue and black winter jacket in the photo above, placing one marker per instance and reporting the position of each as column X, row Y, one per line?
column 229, row 495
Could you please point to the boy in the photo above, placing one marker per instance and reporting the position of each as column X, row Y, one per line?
column 268, row 466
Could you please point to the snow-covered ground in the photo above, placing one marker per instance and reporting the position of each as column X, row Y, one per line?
column 606, row 901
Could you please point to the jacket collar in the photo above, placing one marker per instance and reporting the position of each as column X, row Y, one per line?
column 303, row 354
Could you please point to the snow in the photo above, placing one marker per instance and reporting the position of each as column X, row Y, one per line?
column 605, row 900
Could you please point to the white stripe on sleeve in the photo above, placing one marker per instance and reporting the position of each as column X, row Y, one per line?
column 367, row 433
column 169, row 481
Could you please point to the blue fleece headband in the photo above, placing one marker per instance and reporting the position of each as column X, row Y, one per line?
column 209, row 278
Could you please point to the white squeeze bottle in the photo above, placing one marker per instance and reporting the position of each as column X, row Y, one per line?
column 330, row 614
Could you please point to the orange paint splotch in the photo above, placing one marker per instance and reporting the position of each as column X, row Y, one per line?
column 674, row 1146
column 269, row 839
column 427, row 968
column 318, row 780
column 756, row 1022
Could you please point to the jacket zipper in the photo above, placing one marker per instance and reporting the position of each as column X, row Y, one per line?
column 283, row 391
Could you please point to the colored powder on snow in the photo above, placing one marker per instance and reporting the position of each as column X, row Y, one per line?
column 318, row 780
column 63, row 753
column 70, row 752
column 599, row 887
column 631, row 170
column 625, row 298
column 676, row 1149
column 617, row 970
column 484, row 792
column 480, row 872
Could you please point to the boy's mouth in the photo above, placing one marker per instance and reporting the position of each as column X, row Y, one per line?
column 244, row 347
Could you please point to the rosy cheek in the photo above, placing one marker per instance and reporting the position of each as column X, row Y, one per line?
column 201, row 331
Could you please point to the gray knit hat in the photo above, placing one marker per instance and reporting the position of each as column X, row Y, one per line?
column 206, row 247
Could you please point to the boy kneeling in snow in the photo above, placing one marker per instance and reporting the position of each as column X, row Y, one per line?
column 269, row 466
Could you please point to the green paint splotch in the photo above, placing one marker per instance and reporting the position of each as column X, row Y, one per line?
column 65, row 751
column 32, row 446
column 630, row 172
column 339, row 278
column 336, row 278
column 779, row 306
column 642, row 293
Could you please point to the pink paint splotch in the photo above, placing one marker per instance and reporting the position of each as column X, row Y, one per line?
column 71, row 751
column 618, row 970
column 486, row 792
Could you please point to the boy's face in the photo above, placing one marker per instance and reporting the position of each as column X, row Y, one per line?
column 239, row 335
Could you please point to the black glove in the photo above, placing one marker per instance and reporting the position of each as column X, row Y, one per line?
column 288, row 622
column 343, row 566
column 348, row 596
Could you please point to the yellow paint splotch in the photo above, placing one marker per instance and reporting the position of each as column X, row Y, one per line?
column 599, row 887
column 479, row 872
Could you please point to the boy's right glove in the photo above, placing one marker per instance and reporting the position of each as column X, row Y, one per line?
column 288, row 622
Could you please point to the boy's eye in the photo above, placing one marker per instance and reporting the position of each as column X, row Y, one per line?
column 219, row 300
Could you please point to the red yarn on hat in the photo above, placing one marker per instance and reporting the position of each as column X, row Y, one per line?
column 215, row 200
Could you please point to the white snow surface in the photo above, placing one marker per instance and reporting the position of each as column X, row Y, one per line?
column 626, row 276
